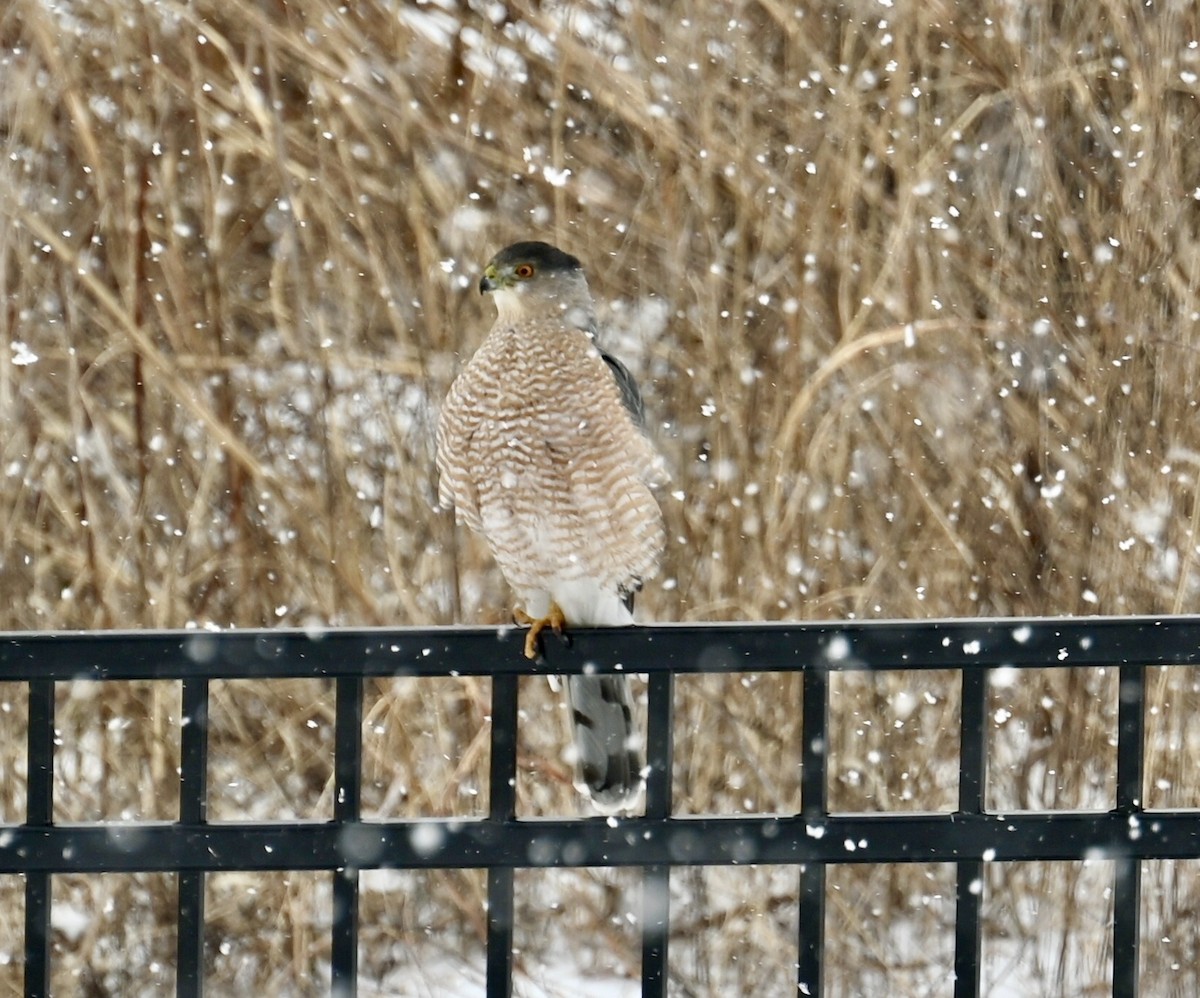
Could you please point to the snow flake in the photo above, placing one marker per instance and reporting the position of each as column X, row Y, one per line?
column 426, row 839
column 556, row 178
column 22, row 355
column 71, row 921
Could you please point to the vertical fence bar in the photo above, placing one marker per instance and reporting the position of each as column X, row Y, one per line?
column 1127, row 886
column 347, row 801
column 193, row 810
column 972, row 787
column 656, row 880
column 502, row 798
column 1127, row 906
column 39, row 813
column 814, row 805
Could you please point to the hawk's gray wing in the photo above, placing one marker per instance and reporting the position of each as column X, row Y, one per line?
column 631, row 396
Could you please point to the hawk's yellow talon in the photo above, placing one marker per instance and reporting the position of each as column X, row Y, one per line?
column 555, row 620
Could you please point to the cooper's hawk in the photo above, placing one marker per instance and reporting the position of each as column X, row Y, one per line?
column 542, row 449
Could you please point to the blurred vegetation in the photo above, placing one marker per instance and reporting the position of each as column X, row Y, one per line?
column 912, row 292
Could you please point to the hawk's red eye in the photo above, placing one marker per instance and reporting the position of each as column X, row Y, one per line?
column 524, row 271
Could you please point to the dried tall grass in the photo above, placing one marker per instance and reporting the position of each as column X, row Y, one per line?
column 912, row 291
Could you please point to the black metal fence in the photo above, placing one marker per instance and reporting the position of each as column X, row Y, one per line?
column 193, row 847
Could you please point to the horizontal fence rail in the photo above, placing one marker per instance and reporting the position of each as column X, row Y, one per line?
column 656, row 841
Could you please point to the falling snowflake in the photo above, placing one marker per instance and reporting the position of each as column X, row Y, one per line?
column 22, row 355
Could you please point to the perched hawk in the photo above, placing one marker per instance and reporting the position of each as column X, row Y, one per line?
column 542, row 449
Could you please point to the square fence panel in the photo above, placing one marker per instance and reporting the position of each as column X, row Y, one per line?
column 811, row 841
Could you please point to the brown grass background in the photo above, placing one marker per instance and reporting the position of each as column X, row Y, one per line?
column 912, row 291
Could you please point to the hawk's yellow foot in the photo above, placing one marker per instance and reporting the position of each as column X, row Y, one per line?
column 554, row 620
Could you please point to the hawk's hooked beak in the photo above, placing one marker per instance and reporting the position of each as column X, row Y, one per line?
column 489, row 281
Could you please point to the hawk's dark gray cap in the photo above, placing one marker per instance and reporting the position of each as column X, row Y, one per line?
column 546, row 259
